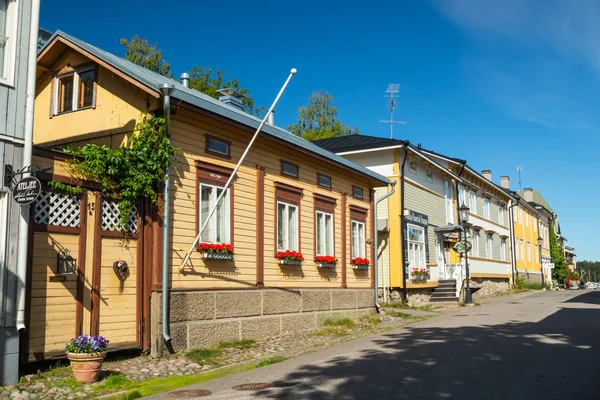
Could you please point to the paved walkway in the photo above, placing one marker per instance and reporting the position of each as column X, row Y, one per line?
column 542, row 346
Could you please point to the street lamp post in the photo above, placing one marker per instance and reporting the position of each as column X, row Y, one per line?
column 463, row 216
column 540, row 243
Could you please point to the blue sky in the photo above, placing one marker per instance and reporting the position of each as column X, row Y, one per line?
column 500, row 84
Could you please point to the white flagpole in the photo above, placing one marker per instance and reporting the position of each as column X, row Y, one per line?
column 212, row 211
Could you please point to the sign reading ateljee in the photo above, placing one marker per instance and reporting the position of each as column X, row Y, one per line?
column 27, row 190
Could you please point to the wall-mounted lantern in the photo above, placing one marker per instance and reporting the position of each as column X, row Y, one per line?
column 65, row 264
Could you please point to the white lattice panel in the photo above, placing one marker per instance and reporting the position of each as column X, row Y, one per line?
column 111, row 217
column 57, row 209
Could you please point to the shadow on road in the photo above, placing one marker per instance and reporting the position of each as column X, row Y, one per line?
column 556, row 358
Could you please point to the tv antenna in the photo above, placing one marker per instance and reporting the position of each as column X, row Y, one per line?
column 393, row 89
column 519, row 169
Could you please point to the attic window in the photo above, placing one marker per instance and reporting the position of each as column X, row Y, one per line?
column 74, row 90
column 289, row 169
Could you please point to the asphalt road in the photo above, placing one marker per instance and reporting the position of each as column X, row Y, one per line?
column 542, row 346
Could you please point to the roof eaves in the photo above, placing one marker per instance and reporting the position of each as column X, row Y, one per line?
column 199, row 99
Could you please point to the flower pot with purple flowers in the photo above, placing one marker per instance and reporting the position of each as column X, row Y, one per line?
column 86, row 354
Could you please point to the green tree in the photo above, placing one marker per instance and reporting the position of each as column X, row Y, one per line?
column 557, row 254
column 140, row 52
column 203, row 79
column 206, row 81
column 319, row 119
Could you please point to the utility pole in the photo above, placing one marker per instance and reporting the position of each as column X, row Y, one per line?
column 393, row 88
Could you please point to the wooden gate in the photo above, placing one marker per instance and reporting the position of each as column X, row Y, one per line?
column 83, row 277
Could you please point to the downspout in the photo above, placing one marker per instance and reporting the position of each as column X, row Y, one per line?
column 405, row 144
column 166, row 90
column 376, row 245
column 27, row 153
column 513, row 256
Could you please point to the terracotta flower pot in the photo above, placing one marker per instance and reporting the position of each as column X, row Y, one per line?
column 86, row 367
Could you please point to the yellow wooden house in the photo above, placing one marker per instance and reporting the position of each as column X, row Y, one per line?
column 287, row 195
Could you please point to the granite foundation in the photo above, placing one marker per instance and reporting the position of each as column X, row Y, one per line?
column 204, row 318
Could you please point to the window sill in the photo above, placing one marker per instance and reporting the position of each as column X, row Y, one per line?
column 7, row 82
column 72, row 111
column 361, row 267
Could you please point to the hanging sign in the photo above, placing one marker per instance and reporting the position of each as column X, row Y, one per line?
column 462, row 246
column 27, row 190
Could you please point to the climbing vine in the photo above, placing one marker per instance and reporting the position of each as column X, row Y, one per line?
column 131, row 171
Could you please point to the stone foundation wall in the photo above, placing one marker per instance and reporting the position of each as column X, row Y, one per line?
column 531, row 278
column 489, row 288
column 415, row 297
column 203, row 318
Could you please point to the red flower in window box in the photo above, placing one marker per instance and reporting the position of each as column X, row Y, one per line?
column 327, row 259
column 290, row 255
column 216, row 248
column 361, row 261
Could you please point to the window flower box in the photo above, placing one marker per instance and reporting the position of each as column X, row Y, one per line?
column 208, row 256
column 420, row 274
column 359, row 263
column 326, row 261
column 290, row 258
column 291, row 263
column 216, row 252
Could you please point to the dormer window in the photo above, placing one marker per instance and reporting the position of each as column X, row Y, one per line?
column 74, row 90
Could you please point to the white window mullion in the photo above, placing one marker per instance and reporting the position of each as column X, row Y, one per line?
column 75, row 91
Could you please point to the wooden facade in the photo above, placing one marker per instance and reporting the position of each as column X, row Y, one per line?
column 97, row 301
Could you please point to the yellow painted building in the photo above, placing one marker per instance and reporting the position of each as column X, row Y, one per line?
column 287, row 195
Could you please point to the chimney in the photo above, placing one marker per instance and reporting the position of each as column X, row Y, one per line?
column 185, row 79
column 505, row 182
column 528, row 194
column 487, row 174
column 232, row 97
column 271, row 119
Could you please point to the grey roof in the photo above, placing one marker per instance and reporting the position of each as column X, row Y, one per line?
column 351, row 143
column 343, row 144
column 154, row 81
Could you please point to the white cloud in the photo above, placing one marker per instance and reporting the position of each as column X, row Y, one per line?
column 569, row 27
column 538, row 61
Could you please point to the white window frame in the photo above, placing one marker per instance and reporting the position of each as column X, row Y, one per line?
column 10, row 48
column 287, row 238
column 417, row 256
column 476, row 236
column 213, row 139
column 412, row 162
column 502, row 249
column 516, row 246
column 462, row 196
column 212, row 225
column 520, row 215
column 515, row 212
column 486, row 208
column 522, row 249
column 321, row 234
column 359, row 242
column 526, row 219
column 501, row 215
column 449, row 202
column 473, row 202
column 535, row 223
column 429, row 175
column 76, row 87
column 489, row 247
column 528, row 252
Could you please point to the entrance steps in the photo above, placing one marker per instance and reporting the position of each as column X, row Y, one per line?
column 445, row 292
